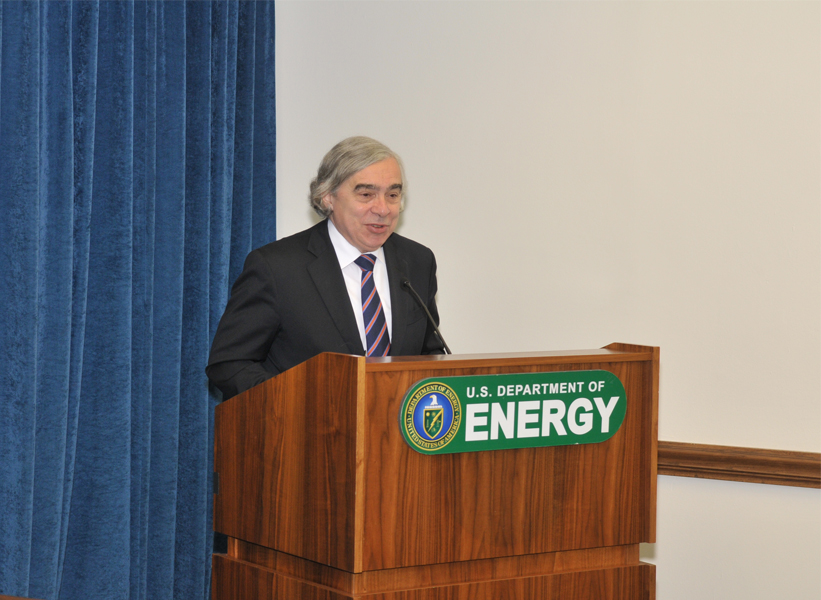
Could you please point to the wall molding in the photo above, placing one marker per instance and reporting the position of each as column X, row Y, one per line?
column 731, row 463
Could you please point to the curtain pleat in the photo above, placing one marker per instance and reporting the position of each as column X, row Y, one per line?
column 264, row 162
column 19, row 245
column 142, row 298
column 137, row 147
column 192, row 526
column 54, row 312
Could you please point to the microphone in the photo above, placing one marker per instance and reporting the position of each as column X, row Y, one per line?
column 405, row 283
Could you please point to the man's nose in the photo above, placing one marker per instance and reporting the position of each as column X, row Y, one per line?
column 380, row 205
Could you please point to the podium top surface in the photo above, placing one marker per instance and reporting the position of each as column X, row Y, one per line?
column 611, row 353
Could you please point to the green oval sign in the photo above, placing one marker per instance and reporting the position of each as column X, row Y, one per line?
column 473, row 413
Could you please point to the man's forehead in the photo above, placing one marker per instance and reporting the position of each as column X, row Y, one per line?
column 375, row 173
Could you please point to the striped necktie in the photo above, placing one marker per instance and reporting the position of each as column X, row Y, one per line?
column 376, row 328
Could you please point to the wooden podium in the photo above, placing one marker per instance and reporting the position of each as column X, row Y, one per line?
column 322, row 498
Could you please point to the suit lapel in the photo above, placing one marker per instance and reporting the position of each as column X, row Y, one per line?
column 329, row 282
column 401, row 301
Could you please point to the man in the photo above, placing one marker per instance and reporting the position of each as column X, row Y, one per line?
column 304, row 294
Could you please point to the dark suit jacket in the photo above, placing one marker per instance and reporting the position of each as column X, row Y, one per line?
column 290, row 303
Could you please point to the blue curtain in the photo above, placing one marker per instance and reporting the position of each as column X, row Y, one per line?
column 137, row 169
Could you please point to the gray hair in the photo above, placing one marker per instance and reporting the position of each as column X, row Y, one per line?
column 349, row 156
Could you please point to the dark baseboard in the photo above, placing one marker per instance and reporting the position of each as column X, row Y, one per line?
column 751, row 465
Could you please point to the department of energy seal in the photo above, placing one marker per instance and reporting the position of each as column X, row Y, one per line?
column 431, row 417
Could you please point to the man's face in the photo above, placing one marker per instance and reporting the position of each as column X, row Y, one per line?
column 366, row 205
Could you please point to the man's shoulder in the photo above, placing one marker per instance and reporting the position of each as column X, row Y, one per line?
column 406, row 246
column 288, row 253
column 297, row 242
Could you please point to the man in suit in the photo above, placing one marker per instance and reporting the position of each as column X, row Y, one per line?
column 304, row 294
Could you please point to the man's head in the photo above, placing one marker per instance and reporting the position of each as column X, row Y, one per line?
column 360, row 186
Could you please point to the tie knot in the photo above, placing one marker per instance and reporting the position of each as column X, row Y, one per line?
column 366, row 262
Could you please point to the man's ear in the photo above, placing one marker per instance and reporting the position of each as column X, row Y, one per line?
column 328, row 202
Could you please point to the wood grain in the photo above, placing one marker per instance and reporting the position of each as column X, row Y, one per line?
column 288, row 448
column 730, row 463
column 389, row 580
column 512, row 502
column 611, row 353
column 322, row 498
column 651, row 417
column 237, row 580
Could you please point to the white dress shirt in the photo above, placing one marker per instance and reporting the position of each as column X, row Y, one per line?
column 346, row 254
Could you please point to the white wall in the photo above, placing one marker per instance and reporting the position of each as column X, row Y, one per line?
column 724, row 540
column 645, row 172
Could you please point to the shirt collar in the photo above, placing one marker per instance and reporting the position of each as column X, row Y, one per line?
column 346, row 252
